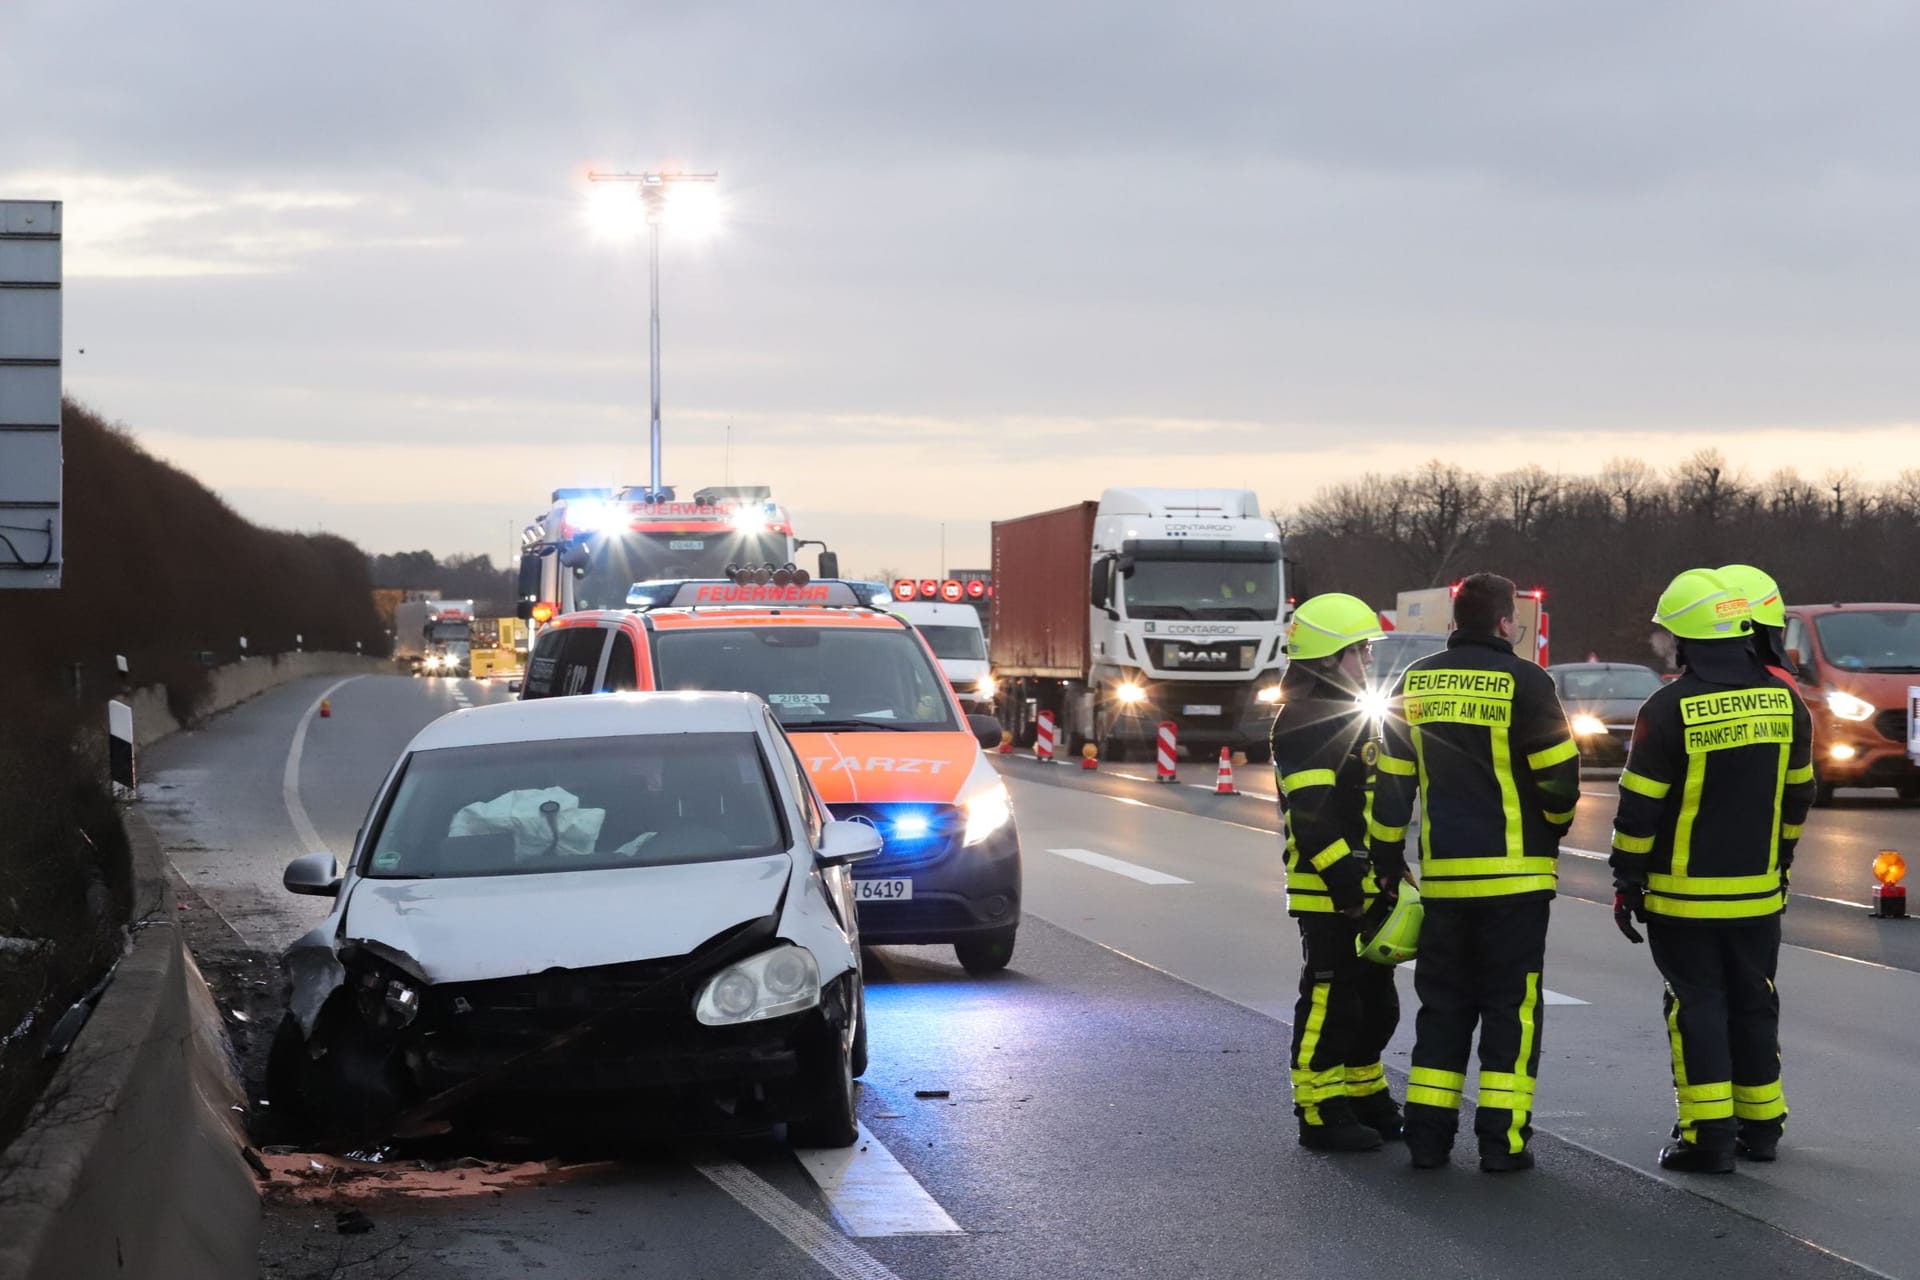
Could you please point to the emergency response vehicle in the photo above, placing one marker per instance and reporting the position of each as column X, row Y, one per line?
column 591, row 545
column 863, row 699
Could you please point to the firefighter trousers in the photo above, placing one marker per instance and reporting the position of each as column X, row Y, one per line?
column 1347, row 1011
column 1723, row 1027
column 1479, row 965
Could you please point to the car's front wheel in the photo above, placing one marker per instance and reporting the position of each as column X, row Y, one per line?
column 985, row 953
column 829, row 1121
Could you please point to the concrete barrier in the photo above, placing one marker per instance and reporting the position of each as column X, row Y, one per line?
column 131, row 1164
column 234, row 683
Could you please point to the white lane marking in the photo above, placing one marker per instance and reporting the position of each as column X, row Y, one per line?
column 1132, row 870
column 871, row 1194
column 1546, row 996
column 833, row 1253
column 290, row 779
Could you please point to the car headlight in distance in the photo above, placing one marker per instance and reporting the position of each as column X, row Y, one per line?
column 783, row 980
column 988, row 687
column 433, row 661
column 1130, row 693
column 1848, row 707
column 987, row 812
column 1269, row 695
column 1586, row 726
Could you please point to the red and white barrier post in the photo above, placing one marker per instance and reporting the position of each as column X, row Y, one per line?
column 1166, row 758
column 1043, row 737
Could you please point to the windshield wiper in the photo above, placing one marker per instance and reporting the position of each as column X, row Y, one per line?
column 891, row 726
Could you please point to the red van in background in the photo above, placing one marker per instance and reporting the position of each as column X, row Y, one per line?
column 1855, row 663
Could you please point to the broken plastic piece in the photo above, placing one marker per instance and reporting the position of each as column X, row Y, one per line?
column 932, row 1093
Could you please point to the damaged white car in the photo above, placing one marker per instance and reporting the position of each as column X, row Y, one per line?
column 630, row 905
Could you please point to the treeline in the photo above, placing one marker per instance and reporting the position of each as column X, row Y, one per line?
column 160, row 570
column 458, row 577
column 1603, row 545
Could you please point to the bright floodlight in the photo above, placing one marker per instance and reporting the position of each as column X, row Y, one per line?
column 692, row 208
column 614, row 211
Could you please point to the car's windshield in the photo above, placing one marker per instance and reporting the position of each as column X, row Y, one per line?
column 1396, row 651
column 1871, row 639
column 578, row 804
column 955, row 643
column 1599, row 684
column 1246, row 590
column 813, row 677
column 617, row 561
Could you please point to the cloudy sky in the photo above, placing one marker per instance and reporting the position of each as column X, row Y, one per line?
column 976, row 259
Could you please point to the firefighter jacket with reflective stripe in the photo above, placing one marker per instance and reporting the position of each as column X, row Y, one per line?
column 1320, row 757
column 1715, row 791
column 1479, row 735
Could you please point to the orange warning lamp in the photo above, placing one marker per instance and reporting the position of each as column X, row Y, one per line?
column 1889, row 895
column 542, row 613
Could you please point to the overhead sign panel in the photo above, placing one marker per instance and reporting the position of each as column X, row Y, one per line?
column 30, row 541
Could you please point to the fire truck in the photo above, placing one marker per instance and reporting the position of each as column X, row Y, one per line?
column 591, row 545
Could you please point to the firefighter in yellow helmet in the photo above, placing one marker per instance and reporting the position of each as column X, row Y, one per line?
column 1322, row 756
column 1478, row 733
column 1711, row 804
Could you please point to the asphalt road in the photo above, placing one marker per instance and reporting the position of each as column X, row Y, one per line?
column 1117, row 1103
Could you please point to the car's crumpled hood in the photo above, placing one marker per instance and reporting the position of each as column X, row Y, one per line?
column 472, row 928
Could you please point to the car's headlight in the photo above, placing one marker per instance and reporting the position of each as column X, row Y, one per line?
column 783, row 980
column 1269, row 695
column 387, row 1001
column 1586, row 726
column 987, row 812
column 988, row 687
column 1848, row 707
column 1130, row 693
column 433, row 660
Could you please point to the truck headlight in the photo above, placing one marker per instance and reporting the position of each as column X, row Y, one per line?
column 1586, row 726
column 783, row 980
column 1269, row 695
column 433, row 662
column 988, row 687
column 1130, row 693
column 987, row 812
column 1848, row 707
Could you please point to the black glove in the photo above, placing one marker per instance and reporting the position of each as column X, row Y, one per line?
column 1629, row 904
column 1389, row 877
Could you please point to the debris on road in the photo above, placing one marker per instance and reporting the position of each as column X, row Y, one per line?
column 352, row 1222
column 932, row 1093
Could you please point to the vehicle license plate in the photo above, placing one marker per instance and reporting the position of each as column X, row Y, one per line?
column 1197, row 710
column 686, row 544
column 883, row 890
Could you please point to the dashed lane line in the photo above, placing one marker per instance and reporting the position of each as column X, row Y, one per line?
column 871, row 1194
column 1131, row 870
column 290, row 778
column 832, row 1252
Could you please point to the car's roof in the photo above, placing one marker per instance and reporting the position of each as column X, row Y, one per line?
column 1817, row 609
column 612, row 715
column 937, row 612
column 687, row 619
column 1603, row 666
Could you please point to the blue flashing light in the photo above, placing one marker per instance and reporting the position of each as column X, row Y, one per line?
column 912, row 826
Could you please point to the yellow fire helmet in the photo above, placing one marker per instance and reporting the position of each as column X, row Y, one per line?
column 1397, row 940
column 1701, row 605
column 1761, row 591
column 1326, row 624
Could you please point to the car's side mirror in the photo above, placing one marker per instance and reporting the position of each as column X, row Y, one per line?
column 829, row 564
column 316, row 875
column 987, row 730
column 842, row 842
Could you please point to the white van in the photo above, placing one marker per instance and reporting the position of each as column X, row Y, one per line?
column 953, row 632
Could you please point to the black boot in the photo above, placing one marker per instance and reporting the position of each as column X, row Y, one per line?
column 1339, row 1129
column 1378, row 1112
column 1501, row 1160
column 1689, row 1157
column 1756, row 1143
column 1428, row 1149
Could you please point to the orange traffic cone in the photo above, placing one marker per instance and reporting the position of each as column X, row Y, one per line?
column 1223, row 783
column 326, row 708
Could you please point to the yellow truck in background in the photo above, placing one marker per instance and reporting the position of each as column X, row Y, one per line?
column 499, row 647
